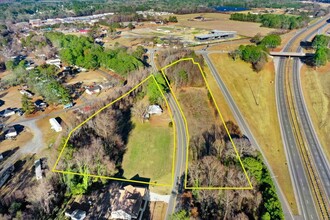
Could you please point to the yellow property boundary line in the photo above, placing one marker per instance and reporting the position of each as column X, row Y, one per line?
column 186, row 125
column 101, row 109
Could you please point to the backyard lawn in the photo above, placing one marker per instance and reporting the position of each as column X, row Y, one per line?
column 150, row 150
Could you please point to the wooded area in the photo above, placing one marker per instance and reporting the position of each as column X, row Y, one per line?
column 213, row 161
column 273, row 20
column 322, row 52
column 24, row 10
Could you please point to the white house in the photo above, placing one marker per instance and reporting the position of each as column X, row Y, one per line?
column 154, row 110
column 37, row 165
column 11, row 133
column 8, row 112
column 55, row 125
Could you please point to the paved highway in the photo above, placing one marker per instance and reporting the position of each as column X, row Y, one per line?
column 299, row 178
column 314, row 145
column 181, row 144
column 246, row 130
column 298, row 175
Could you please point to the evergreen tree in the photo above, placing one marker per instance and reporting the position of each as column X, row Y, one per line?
column 27, row 104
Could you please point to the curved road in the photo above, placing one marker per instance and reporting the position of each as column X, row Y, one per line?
column 298, row 175
column 181, row 143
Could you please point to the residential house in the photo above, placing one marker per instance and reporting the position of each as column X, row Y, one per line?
column 154, row 110
column 129, row 203
column 8, row 112
column 11, row 133
column 93, row 89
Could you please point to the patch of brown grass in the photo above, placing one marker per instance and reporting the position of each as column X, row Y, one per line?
column 254, row 93
column 20, row 140
column 316, row 89
column 221, row 22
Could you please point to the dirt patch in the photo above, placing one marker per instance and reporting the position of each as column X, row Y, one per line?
column 316, row 89
column 254, row 93
column 218, row 96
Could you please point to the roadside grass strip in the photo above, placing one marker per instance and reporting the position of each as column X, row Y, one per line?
column 154, row 183
column 186, row 126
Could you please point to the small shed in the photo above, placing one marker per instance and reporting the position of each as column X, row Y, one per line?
column 37, row 165
column 55, row 125
column 154, row 110
column 8, row 112
column 11, row 133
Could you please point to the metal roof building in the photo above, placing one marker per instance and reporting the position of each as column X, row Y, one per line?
column 216, row 35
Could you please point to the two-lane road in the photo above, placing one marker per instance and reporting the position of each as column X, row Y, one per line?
column 181, row 143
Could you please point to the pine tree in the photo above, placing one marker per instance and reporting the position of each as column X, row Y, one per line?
column 27, row 104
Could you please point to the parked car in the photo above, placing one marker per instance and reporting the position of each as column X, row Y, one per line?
column 69, row 105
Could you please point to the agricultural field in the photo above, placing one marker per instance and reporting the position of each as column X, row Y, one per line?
column 254, row 94
column 315, row 84
column 221, row 22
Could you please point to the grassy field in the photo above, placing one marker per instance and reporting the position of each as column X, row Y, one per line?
column 222, row 22
column 316, row 89
column 218, row 96
column 254, row 94
column 150, row 150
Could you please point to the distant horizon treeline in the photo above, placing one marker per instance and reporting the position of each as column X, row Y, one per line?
column 272, row 20
column 24, row 10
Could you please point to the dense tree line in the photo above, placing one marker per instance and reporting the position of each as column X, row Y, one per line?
column 256, row 54
column 322, row 52
column 179, row 75
column 273, row 20
column 82, row 51
column 214, row 163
